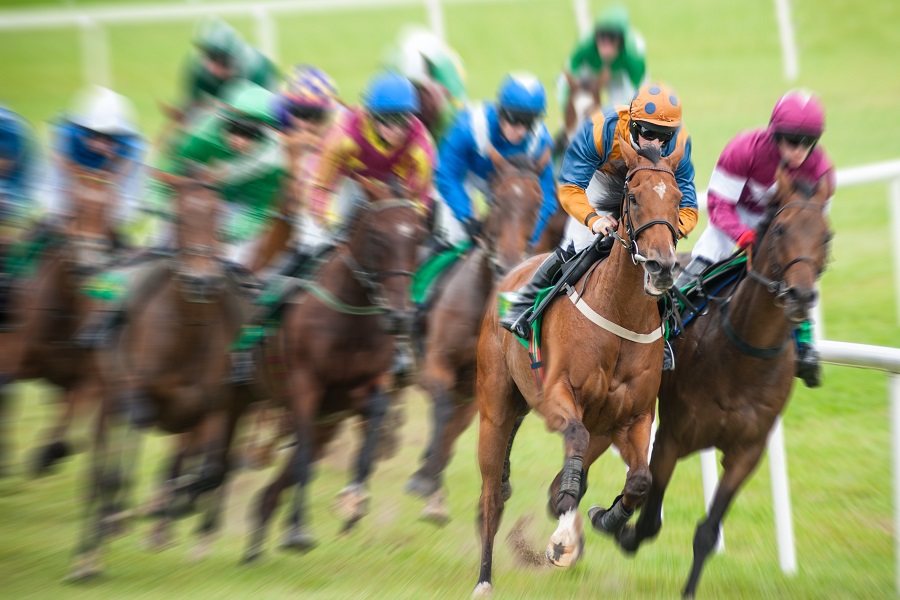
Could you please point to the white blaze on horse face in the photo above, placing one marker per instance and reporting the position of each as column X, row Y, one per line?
column 660, row 188
column 406, row 230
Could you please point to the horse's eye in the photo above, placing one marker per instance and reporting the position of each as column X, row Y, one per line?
column 632, row 197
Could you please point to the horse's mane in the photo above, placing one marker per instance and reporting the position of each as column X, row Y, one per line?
column 612, row 181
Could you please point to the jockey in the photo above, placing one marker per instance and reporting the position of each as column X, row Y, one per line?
column 437, row 72
column 512, row 126
column 18, row 171
column 382, row 142
column 221, row 57
column 613, row 51
column 742, row 184
column 97, row 137
column 652, row 118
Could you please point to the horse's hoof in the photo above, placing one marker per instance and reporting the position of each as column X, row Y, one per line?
column 628, row 540
column 251, row 557
column 421, row 486
column 483, row 590
column 435, row 510
column 49, row 455
column 201, row 549
column 300, row 539
column 567, row 542
column 612, row 520
column 87, row 566
column 351, row 503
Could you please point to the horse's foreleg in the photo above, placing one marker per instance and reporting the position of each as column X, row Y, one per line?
column 596, row 447
column 736, row 470
column 425, row 482
column 662, row 465
column 58, row 448
column 634, row 445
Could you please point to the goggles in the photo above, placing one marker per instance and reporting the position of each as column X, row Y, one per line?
column 393, row 120
column 797, row 140
column 518, row 118
column 649, row 134
column 307, row 113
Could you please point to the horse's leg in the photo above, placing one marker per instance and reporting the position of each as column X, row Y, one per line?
column 299, row 536
column 57, row 448
column 737, row 467
column 634, row 445
column 495, row 394
column 438, row 380
column 162, row 505
column 662, row 465
column 435, row 509
column 596, row 447
column 353, row 499
column 306, row 394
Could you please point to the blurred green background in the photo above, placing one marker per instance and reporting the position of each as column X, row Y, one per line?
column 725, row 60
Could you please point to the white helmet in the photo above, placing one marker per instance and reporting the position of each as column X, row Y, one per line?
column 102, row 110
column 418, row 44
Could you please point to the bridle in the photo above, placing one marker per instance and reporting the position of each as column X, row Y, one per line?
column 631, row 233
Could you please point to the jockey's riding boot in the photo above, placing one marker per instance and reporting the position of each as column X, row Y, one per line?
column 242, row 367
column 6, row 289
column 668, row 357
column 807, row 362
column 692, row 273
column 100, row 328
column 521, row 302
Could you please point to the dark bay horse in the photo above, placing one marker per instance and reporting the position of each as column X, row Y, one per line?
column 49, row 308
column 167, row 366
column 337, row 342
column 601, row 357
column 454, row 320
column 735, row 365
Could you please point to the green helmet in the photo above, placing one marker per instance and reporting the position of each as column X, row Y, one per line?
column 219, row 40
column 615, row 20
column 247, row 101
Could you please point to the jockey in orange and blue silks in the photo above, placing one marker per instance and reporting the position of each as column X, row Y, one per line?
column 743, row 183
column 652, row 118
column 513, row 126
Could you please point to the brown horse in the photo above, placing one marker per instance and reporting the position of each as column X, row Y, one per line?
column 454, row 320
column 167, row 366
column 584, row 99
column 732, row 402
column 48, row 310
column 599, row 383
column 338, row 343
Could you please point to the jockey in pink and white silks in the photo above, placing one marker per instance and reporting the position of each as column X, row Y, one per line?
column 743, row 183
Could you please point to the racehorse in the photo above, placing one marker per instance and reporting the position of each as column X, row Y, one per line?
column 166, row 367
column 454, row 320
column 584, row 99
column 337, row 341
column 735, row 365
column 48, row 310
column 599, row 384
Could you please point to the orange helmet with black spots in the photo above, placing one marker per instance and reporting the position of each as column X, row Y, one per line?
column 656, row 104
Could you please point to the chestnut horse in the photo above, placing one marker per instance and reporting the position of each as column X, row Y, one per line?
column 736, row 364
column 599, row 384
column 166, row 367
column 48, row 310
column 337, row 342
column 454, row 320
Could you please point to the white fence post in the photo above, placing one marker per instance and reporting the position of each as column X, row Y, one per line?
column 781, row 500
column 95, row 53
column 582, row 16
column 894, row 385
column 894, row 195
column 436, row 18
column 710, row 472
column 788, row 41
column 266, row 33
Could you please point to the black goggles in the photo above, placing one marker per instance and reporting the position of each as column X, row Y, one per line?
column 610, row 36
column 307, row 113
column 518, row 118
column 796, row 139
column 395, row 120
column 651, row 134
column 244, row 128
column 100, row 136
column 220, row 57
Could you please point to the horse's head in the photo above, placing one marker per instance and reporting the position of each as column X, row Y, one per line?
column 517, row 199
column 650, row 213
column 88, row 232
column 792, row 244
column 197, row 270
column 382, row 255
column 584, row 98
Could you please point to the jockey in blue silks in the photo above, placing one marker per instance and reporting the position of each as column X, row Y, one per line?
column 513, row 126
column 18, row 170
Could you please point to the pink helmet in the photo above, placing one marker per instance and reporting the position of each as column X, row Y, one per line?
column 798, row 112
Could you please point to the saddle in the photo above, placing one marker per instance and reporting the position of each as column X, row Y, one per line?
column 681, row 306
column 434, row 272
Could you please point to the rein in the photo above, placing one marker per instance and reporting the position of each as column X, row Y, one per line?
column 630, row 240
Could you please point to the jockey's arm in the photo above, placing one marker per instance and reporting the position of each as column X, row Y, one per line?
column 726, row 184
column 456, row 153
column 419, row 173
column 581, row 160
column 337, row 152
column 684, row 177
column 548, row 207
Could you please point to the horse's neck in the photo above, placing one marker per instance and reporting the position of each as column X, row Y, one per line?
column 753, row 314
column 615, row 289
column 338, row 278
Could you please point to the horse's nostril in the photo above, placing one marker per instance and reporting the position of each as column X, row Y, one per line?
column 653, row 267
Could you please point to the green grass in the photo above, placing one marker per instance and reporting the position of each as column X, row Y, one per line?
column 725, row 60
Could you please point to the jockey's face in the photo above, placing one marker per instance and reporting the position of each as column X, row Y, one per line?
column 514, row 126
column 99, row 143
column 392, row 128
column 608, row 46
column 794, row 150
column 239, row 143
column 308, row 120
column 218, row 65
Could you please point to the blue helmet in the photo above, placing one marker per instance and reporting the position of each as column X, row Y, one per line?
column 522, row 92
column 390, row 92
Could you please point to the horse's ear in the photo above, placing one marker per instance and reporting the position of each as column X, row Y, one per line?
column 629, row 153
column 501, row 165
column 673, row 159
column 570, row 79
column 543, row 161
column 823, row 189
column 783, row 182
